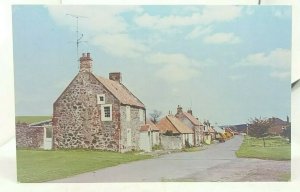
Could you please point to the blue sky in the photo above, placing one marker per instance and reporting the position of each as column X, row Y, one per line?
column 227, row 63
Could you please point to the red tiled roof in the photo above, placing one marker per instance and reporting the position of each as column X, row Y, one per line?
column 145, row 127
column 171, row 123
column 153, row 127
column 192, row 118
column 121, row 92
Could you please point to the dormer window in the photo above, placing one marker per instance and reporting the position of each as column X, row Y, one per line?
column 101, row 99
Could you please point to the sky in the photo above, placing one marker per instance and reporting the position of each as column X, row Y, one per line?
column 227, row 63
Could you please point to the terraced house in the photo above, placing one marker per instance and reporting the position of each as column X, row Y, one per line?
column 97, row 113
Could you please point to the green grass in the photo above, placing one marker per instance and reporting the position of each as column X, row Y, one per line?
column 39, row 166
column 285, row 177
column 31, row 119
column 276, row 148
column 192, row 149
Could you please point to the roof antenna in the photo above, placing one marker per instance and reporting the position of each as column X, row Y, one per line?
column 78, row 39
column 259, row 1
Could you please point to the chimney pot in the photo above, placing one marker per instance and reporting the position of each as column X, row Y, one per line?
column 88, row 55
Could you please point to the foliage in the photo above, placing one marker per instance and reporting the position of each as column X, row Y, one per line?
column 187, row 144
column 31, row 119
column 155, row 116
column 40, row 166
column 169, row 133
column 259, row 128
column 287, row 132
column 157, row 147
column 277, row 148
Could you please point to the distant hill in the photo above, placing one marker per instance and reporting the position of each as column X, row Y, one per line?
column 31, row 119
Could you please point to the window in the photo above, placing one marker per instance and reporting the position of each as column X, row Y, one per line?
column 49, row 132
column 106, row 112
column 128, row 113
column 101, row 99
column 141, row 112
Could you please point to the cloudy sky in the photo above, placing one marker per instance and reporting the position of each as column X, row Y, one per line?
column 227, row 63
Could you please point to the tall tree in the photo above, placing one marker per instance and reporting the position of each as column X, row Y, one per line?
column 154, row 116
column 259, row 127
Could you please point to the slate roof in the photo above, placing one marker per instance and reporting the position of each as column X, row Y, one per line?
column 121, row 92
column 171, row 123
column 192, row 118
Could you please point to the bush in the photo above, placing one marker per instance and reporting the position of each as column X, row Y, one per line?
column 187, row 144
column 156, row 147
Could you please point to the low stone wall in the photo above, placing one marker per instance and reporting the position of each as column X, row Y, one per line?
column 171, row 142
column 29, row 137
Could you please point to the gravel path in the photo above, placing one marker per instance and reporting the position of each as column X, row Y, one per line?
column 217, row 163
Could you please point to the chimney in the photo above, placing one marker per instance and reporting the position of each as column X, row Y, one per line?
column 85, row 63
column 190, row 111
column 179, row 109
column 116, row 76
column 287, row 119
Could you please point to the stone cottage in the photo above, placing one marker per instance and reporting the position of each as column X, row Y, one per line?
column 192, row 122
column 97, row 113
column 174, row 134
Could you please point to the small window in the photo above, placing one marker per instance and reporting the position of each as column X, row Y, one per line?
column 128, row 113
column 49, row 132
column 141, row 112
column 106, row 112
column 101, row 99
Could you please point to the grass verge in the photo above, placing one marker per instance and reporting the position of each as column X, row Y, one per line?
column 39, row 166
column 31, row 119
column 276, row 148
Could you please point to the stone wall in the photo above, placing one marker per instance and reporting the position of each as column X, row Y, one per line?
column 77, row 116
column 171, row 142
column 29, row 137
column 134, row 125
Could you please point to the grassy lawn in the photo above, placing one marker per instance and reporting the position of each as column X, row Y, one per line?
column 39, row 166
column 276, row 148
column 31, row 119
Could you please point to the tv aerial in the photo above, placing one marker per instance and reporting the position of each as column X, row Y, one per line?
column 78, row 39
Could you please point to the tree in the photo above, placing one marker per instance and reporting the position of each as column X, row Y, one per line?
column 155, row 116
column 287, row 132
column 259, row 127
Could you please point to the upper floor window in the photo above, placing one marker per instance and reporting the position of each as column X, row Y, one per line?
column 101, row 99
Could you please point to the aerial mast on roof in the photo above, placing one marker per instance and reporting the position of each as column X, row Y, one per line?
column 78, row 39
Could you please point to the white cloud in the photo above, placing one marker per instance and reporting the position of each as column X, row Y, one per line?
column 199, row 31
column 281, row 12
column 174, row 67
column 220, row 38
column 281, row 74
column 278, row 58
column 120, row 45
column 209, row 15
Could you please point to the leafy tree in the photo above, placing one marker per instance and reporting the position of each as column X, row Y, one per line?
column 155, row 116
column 258, row 128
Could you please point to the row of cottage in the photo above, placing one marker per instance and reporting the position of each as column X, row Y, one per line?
column 99, row 113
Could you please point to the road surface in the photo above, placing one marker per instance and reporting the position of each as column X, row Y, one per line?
column 217, row 163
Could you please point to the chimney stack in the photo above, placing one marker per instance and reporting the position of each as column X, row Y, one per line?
column 179, row 109
column 85, row 63
column 190, row 111
column 116, row 76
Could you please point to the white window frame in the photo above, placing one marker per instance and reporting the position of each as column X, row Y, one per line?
column 128, row 111
column 98, row 99
column 103, row 118
column 141, row 113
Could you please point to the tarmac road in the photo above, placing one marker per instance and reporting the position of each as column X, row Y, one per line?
column 217, row 163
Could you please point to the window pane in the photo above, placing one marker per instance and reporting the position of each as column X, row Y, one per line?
column 101, row 98
column 48, row 132
column 106, row 111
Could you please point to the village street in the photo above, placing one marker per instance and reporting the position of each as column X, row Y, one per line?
column 217, row 163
